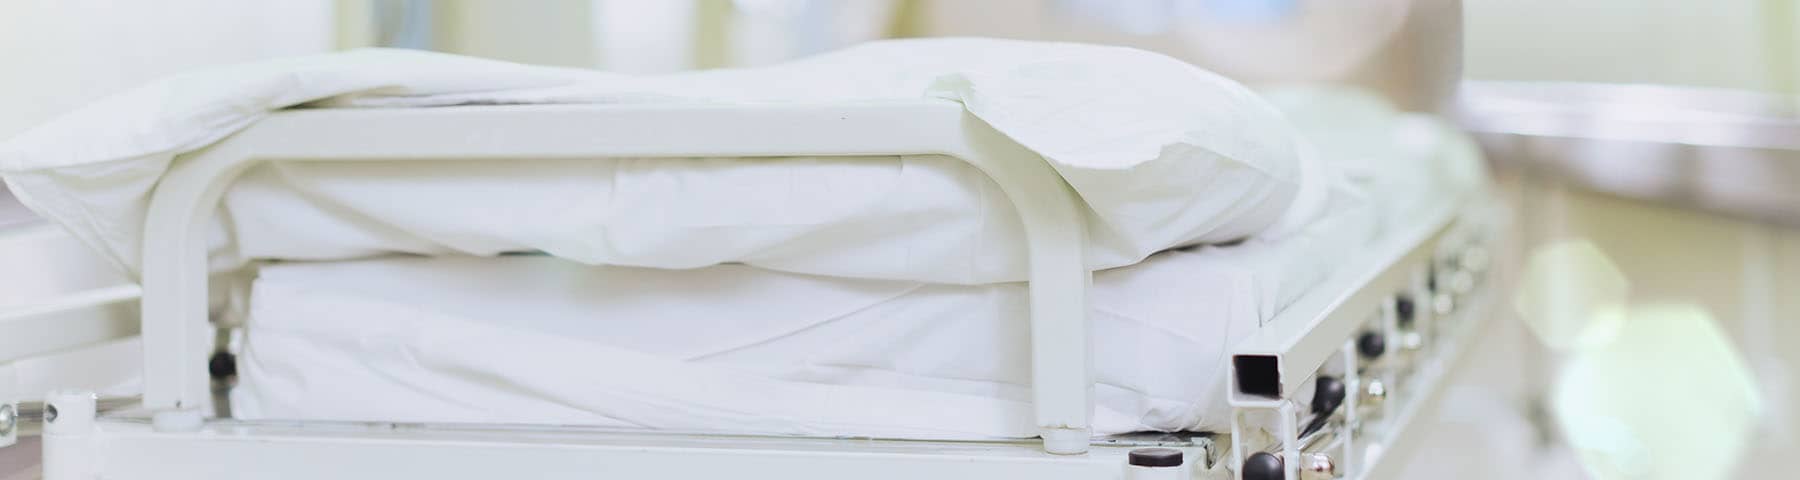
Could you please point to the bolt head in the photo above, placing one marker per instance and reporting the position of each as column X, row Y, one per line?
column 1412, row 341
column 1317, row 466
column 1375, row 390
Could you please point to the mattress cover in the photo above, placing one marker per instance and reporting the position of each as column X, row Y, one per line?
column 733, row 348
column 1162, row 153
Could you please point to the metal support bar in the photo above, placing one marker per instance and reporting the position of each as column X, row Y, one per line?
column 1281, row 356
column 175, row 251
column 227, row 449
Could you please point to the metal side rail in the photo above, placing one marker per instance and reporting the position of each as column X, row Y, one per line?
column 1332, row 387
column 180, row 439
column 56, row 295
column 127, row 447
column 67, row 319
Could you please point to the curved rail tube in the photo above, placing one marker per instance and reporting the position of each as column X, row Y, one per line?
column 175, row 250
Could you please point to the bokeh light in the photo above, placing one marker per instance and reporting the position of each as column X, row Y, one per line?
column 1668, row 398
column 1572, row 296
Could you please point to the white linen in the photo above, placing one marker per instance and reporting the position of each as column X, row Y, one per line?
column 734, row 348
column 727, row 348
column 1163, row 154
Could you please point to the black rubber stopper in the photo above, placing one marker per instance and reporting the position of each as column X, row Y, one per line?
column 1404, row 309
column 1263, row 466
column 222, row 365
column 1371, row 344
column 1328, row 393
column 1155, row 457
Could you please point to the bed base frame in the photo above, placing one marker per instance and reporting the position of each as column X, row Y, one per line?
column 175, row 439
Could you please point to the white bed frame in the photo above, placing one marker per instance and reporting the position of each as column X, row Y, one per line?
column 178, row 440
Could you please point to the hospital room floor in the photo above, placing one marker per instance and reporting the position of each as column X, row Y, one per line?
column 23, row 460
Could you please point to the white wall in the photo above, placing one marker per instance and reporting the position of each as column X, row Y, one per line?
column 56, row 55
column 1747, row 44
column 1744, row 273
column 538, row 32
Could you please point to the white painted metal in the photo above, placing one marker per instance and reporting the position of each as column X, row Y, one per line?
column 175, row 274
column 69, row 321
column 1345, row 458
column 230, row 450
column 65, row 313
column 1402, row 431
column 1311, row 330
column 56, row 295
column 69, row 435
column 1327, row 321
column 133, row 448
column 175, row 329
column 1288, row 427
column 1183, row 472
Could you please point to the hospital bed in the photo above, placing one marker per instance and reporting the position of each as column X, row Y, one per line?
column 1329, row 388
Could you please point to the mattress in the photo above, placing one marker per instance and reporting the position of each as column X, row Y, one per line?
column 1161, row 154
column 733, row 348
column 741, row 349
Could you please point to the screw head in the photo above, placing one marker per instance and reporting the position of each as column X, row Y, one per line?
column 50, row 413
column 1374, row 389
column 9, row 419
column 1412, row 341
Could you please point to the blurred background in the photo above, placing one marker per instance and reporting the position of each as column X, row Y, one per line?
column 1651, row 149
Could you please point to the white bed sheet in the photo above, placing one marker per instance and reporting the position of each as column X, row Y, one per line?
column 728, row 348
column 1162, row 153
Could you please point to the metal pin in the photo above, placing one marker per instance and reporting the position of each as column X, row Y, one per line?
column 1443, row 304
column 31, row 416
column 9, row 420
column 1412, row 341
column 1317, row 466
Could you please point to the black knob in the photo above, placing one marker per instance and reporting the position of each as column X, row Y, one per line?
column 1371, row 344
column 1328, row 393
column 1155, row 457
column 222, row 365
column 1263, row 466
column 1403, row 309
